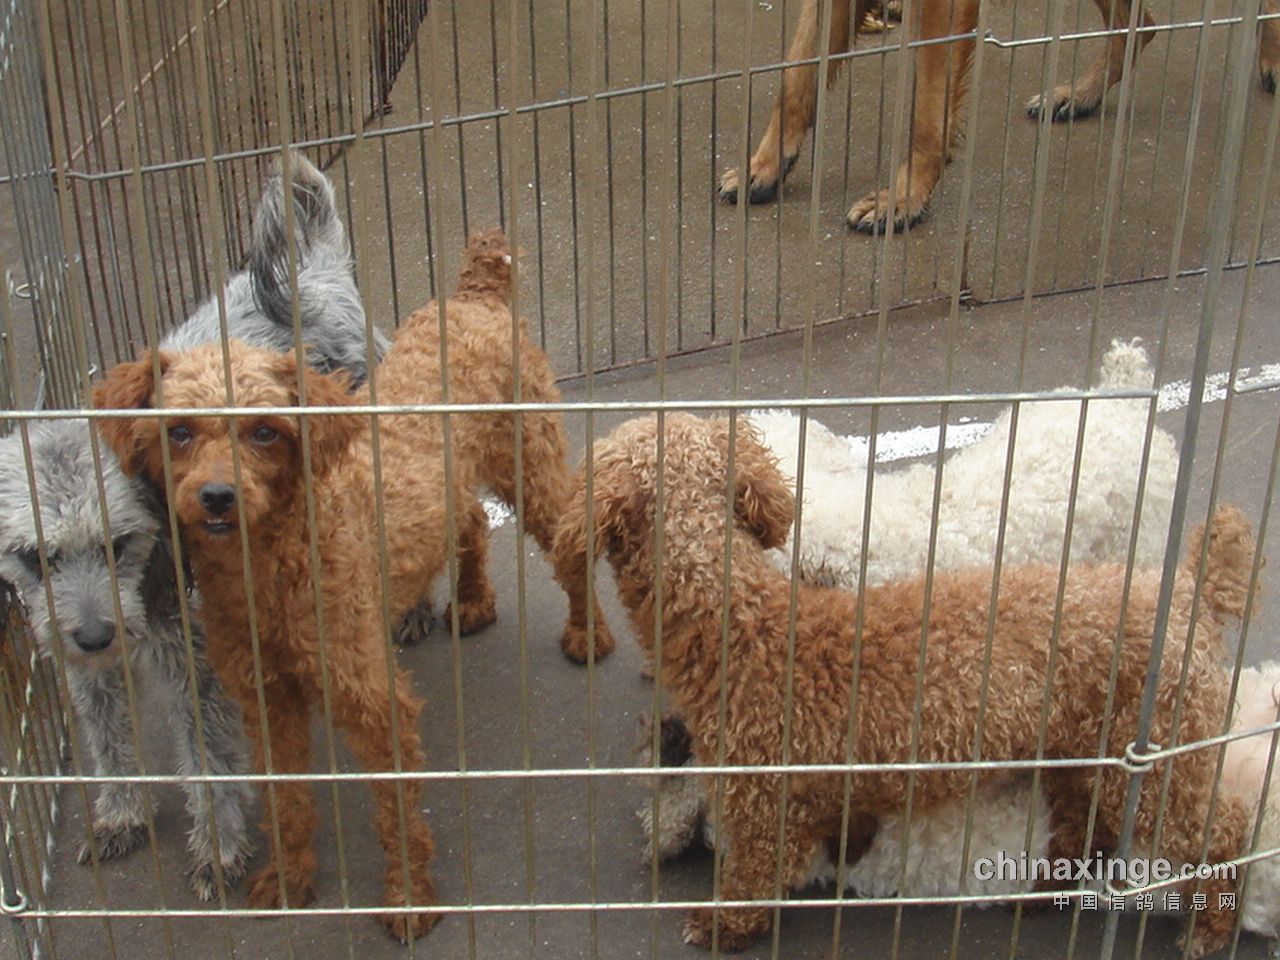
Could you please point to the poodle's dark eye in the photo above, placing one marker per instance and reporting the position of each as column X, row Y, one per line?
column 263, row 435
column 30, row 558
column 119, row 545
column 180, row 436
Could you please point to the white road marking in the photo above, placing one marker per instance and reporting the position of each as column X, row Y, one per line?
column 893, row 445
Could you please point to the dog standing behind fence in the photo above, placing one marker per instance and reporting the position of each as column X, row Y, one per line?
column 86, row 574
column 941, row 92
column 954, row 683
column 370, row 697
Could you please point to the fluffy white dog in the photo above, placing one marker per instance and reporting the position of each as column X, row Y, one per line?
column 972, row 488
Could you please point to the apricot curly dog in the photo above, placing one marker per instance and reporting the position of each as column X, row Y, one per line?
column 1022, row 669
column 270, row 502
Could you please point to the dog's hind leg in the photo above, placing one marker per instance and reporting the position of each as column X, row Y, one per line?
column 213, row 807
column 1269, row 47
column 121, row 809
column 793, row 111
column 1084, row 96
column 477, row 600
column 546, row 494
column 363, row 710
column 942, row 77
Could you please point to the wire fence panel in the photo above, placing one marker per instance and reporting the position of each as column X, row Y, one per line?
column 1082, row 317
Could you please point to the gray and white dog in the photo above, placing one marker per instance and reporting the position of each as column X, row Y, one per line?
column 84, row 623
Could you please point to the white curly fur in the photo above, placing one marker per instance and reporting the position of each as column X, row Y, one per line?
column 1244, row 773
column 969, row 507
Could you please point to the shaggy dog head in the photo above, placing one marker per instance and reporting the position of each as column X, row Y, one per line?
column 695, row 461
column 71, row 592
column 205, row 495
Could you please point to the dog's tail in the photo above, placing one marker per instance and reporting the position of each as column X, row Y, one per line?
column 1126, row 364
column 317, row 231
column 1231, row 550
column 486, row 268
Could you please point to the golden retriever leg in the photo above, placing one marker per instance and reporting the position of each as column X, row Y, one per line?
column 942, row 77
column 1269, row 48
column 793, row 112
column 1084, row 96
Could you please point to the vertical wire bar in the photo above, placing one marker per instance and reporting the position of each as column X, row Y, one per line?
column 825, row 14
column 668, row 156
column 204, row 101
column 1224, row 207
column 435, row 146
column 573, row 191
column 285, row 121
column 147, row 291
column 726, row 587
column 537, row 177
column 596, row 149
column 1214, row 487
column 439, row 110
column 15, row 386
column 608, row 181
column 512, row 219
column 498, row 152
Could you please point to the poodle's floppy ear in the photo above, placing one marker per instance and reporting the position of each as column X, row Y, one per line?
column 331, row 435
column 763, row 502
column 611, row 491
column 130, row 386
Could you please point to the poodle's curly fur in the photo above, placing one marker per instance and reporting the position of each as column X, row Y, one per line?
column 1039, row 657
column 270, row 502
column 835, row 478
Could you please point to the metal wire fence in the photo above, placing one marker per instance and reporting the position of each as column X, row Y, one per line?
column 135, row 140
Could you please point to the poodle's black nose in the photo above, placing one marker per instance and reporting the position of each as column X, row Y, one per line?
column 217, row 498
column 93, row 637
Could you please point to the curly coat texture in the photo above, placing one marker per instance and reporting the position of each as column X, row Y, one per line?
column 370, row 697
column 1034, row 668
column 972, row 493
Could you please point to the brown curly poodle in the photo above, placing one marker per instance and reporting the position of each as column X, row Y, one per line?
column 342, row 609
column 1024, row 665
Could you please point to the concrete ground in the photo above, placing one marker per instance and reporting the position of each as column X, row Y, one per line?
column 592, row 204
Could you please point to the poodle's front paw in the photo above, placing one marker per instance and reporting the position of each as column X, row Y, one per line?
column 265, row 892
column 877, row 212
column 474, row 613
column 1268, row 75
column 404, row 926
column 204, row 879
column 1065, row 104
column 575, row 646
column 112, row 842
column 738, row 928
column 762, row 185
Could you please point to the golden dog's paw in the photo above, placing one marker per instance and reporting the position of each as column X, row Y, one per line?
column 738, row 929
column 575, row 646
column 875, row 213
column 764, row 181
column 1066, row 104
column 265, row 893
column 474, row 614
column 404, row 926
column 1269, row 76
